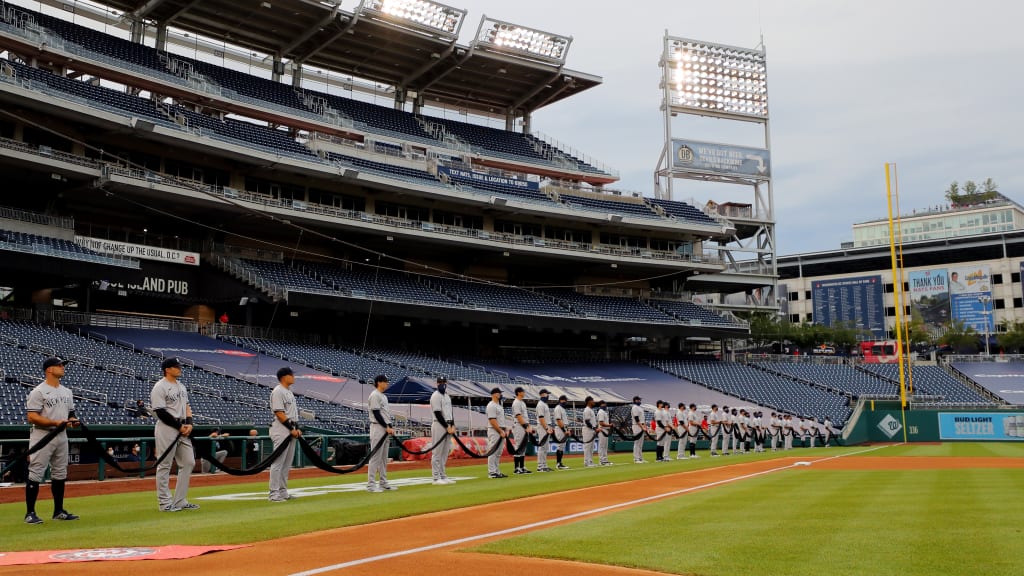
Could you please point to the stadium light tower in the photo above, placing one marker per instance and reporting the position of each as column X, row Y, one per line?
column 519, row 40
column 423, row 15
column 730, row 83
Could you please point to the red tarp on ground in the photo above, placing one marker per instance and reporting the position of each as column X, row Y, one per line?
column 100, row 554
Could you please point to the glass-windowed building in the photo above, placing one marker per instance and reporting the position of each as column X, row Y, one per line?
column 998, row 215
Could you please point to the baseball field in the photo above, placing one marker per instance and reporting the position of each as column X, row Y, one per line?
column 890, row 509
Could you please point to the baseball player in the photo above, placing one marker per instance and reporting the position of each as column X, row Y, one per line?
column 789, row 430
column 827, row 430
column 496, row 433
column 284, row 427
column 774, row 426
column 636, row 418
column 739, row 431
column 520, row 428
column 589, row 432
column 682, row 421
column 49, row 405
column 561, row 430
column 443, row 424
column 666, row 430
column 380, row 426
column 169, row 400
column 693, row 418
column 544, row 427
column 604, row 428
column 715, row 425
column 727, row 429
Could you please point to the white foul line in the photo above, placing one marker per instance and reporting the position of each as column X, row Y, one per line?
column 574, row 516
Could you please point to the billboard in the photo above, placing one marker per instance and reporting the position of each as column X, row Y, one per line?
column 856, row 302
column 482, row 178
column 968, row 289
column 981, row 426
column 929, row 298
column 723, row 159
column 142, row 251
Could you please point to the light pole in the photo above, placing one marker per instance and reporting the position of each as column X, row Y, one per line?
column 985, row 301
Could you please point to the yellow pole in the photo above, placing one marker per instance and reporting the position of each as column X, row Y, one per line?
column 899, row 308
column 903, row 277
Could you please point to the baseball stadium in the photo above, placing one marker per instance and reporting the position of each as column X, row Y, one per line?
column 295, row 287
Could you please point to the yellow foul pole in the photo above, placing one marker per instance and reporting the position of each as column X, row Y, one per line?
column 896, row 278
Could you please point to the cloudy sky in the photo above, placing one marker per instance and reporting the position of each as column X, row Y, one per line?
column 932, row 86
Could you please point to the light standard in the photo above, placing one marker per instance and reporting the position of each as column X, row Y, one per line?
column 985, row 301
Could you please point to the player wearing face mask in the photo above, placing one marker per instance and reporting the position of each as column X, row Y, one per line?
column 442, row 426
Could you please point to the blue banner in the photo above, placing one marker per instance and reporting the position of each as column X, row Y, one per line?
column 970, row 292
column 855, row 302
column 981, row 426
column 488, row 178
column 722, row 159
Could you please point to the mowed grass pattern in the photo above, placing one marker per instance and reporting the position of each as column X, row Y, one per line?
column 132, row 519
column 803, row 521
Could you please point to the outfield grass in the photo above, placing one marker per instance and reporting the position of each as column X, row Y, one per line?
column 958, row 449
column 132, row 519
column 804, row 521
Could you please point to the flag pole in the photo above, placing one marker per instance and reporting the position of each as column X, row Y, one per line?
column 896, row 297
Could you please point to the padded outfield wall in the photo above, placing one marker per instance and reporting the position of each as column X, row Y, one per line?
column 882, row 421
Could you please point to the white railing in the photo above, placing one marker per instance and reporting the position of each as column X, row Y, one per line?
column 123, row 321
column 566, row 149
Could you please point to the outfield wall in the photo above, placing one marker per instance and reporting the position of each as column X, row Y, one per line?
column 884, row 422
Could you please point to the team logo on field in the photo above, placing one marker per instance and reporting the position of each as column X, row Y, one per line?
column 104, row 554
column 890, row 426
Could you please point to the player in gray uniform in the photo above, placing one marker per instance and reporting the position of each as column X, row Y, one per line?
column 561, row 430
column 441, row 429
column 49, row 405
column 589, row 432
column 636, row 420
column 284, row 427
column 380, row 427
column 682, row 433
column 496, row 433
column 544, row 428
column 665, row 432
column 715, row 428
column 169, row 400
column 520, row 428
column 693, row 419
column 604, row 428
column 827, row 430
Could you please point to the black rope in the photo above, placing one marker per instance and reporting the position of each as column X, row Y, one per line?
column 256, row 469
column 497, row 446
column 316, row 460
column 425, row 450
column 92, row 441
column 17, row 458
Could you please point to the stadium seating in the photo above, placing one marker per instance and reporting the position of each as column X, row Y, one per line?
column 288, row 277
column 56, row 247
column 846, row 379
column 109, row 377
column 761, row 387
column 683, row 211
column 690, row 313
column 499, row 297
column 411, row 175
column 933, row 381
column 233, row 84
column 610, row 206
column 610, row 307
column 503, row 190
column 380, row 284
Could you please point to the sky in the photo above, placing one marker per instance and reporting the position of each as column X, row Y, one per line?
column 931, row 86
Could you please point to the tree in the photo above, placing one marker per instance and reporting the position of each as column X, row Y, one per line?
column 765, row 328
column 844, row 336
column 970, row 188
column 953, row 192
column 917, row 332
column 989, row 186
column 961, row 337
column 1012, row 337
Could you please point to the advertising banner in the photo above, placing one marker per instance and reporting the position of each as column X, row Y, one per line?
column 138, row 251
column 488, row 178
column 981, row 426
column 929, row 298
column 721, row 159
column 856, row 302
column 970, row 292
